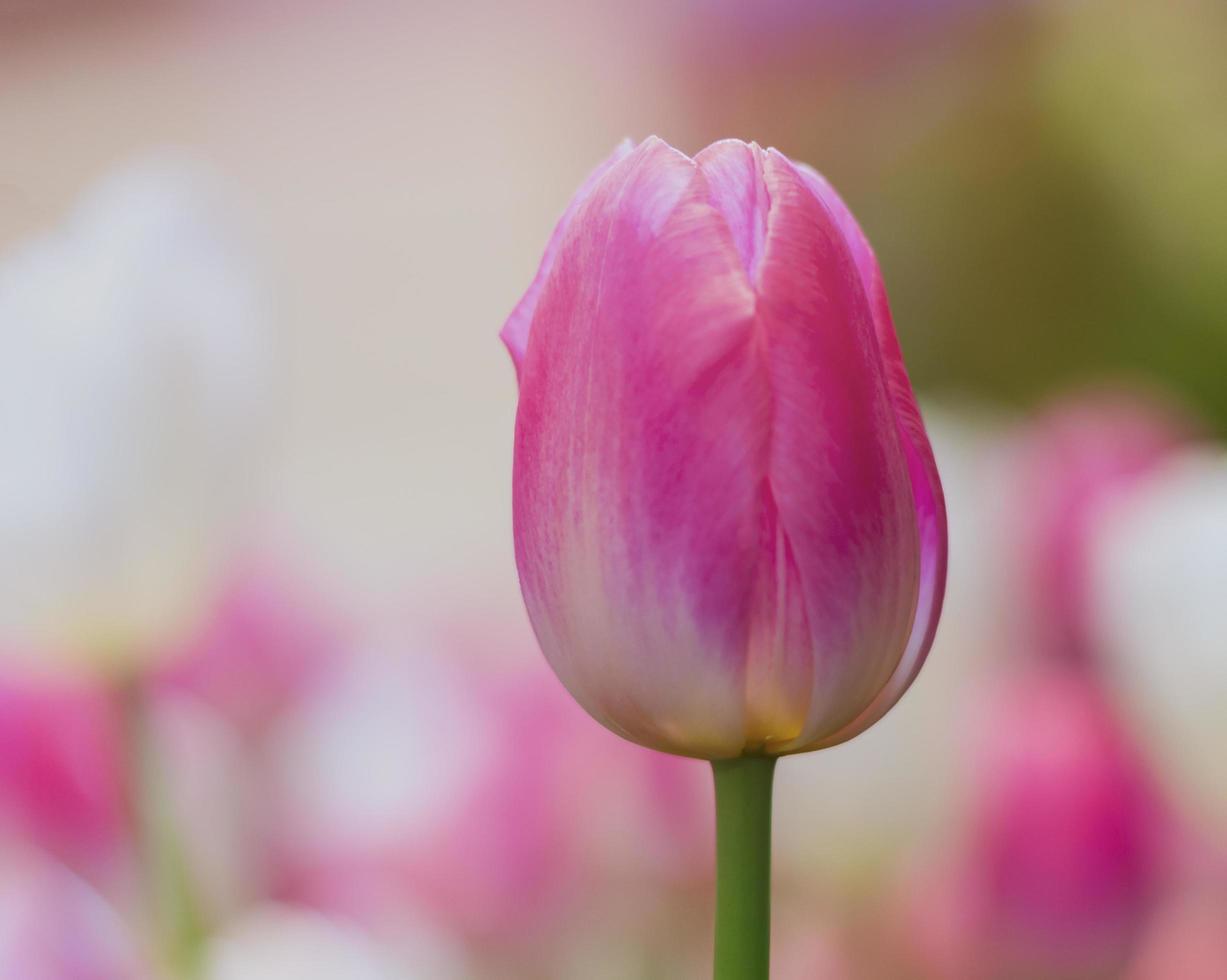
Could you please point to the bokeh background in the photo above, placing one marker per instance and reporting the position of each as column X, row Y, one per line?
column 269, row 705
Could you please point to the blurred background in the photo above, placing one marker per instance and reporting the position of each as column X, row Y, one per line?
column 269, row 704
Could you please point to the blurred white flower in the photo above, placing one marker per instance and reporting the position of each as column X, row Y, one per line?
column 1159, row 578
column 131, row 383
column 284, row 943
column 361, row 762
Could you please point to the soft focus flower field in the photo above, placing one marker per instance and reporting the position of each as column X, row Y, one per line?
column 270, row 706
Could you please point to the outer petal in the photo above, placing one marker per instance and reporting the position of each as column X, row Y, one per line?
column 838, row 471
column 930, row 505
column 515, row 331
column 641, row 437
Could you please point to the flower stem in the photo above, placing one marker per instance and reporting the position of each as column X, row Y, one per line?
column 165, row 892
column 743, row 867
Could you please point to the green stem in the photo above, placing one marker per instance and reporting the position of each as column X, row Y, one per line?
column 743, row 867
column 166, row 895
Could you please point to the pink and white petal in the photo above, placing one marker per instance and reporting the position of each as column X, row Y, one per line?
column 734, row 172
column 640, row 443
column 839, row 467
column 519, row 324
column 922, row 467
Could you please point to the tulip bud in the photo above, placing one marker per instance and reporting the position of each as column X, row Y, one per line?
column 1061, row 859
column 729, row 527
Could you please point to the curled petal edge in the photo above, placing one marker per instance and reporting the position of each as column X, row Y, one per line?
column 518, row 325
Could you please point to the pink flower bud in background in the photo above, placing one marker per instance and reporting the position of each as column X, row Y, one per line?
column 264, row 643
column 1069, row 464
column 61, row 769
column 1067, row 828
column 729, row 526
column 1062, row 857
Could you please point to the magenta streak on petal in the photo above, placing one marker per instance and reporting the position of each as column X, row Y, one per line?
column 516, row 330
column 926, row 484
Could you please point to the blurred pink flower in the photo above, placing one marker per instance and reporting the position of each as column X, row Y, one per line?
column 729, row 526
column 265, row 642
column 1062, row 857
column 61, row 768
column 481, row 797
column 1068, row 464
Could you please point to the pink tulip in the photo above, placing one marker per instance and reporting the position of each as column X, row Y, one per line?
column 1070, row 462
column 729, row 526
column 1063, row 854
column 61, row 769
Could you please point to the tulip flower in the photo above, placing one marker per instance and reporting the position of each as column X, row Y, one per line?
column 729, row 527
column 131, row 391
column 1062, row 858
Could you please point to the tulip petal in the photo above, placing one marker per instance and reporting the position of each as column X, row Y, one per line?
column 641, row 441
column 838, row 469
column 515, row 331
column 926, row 485
column 734, row 172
